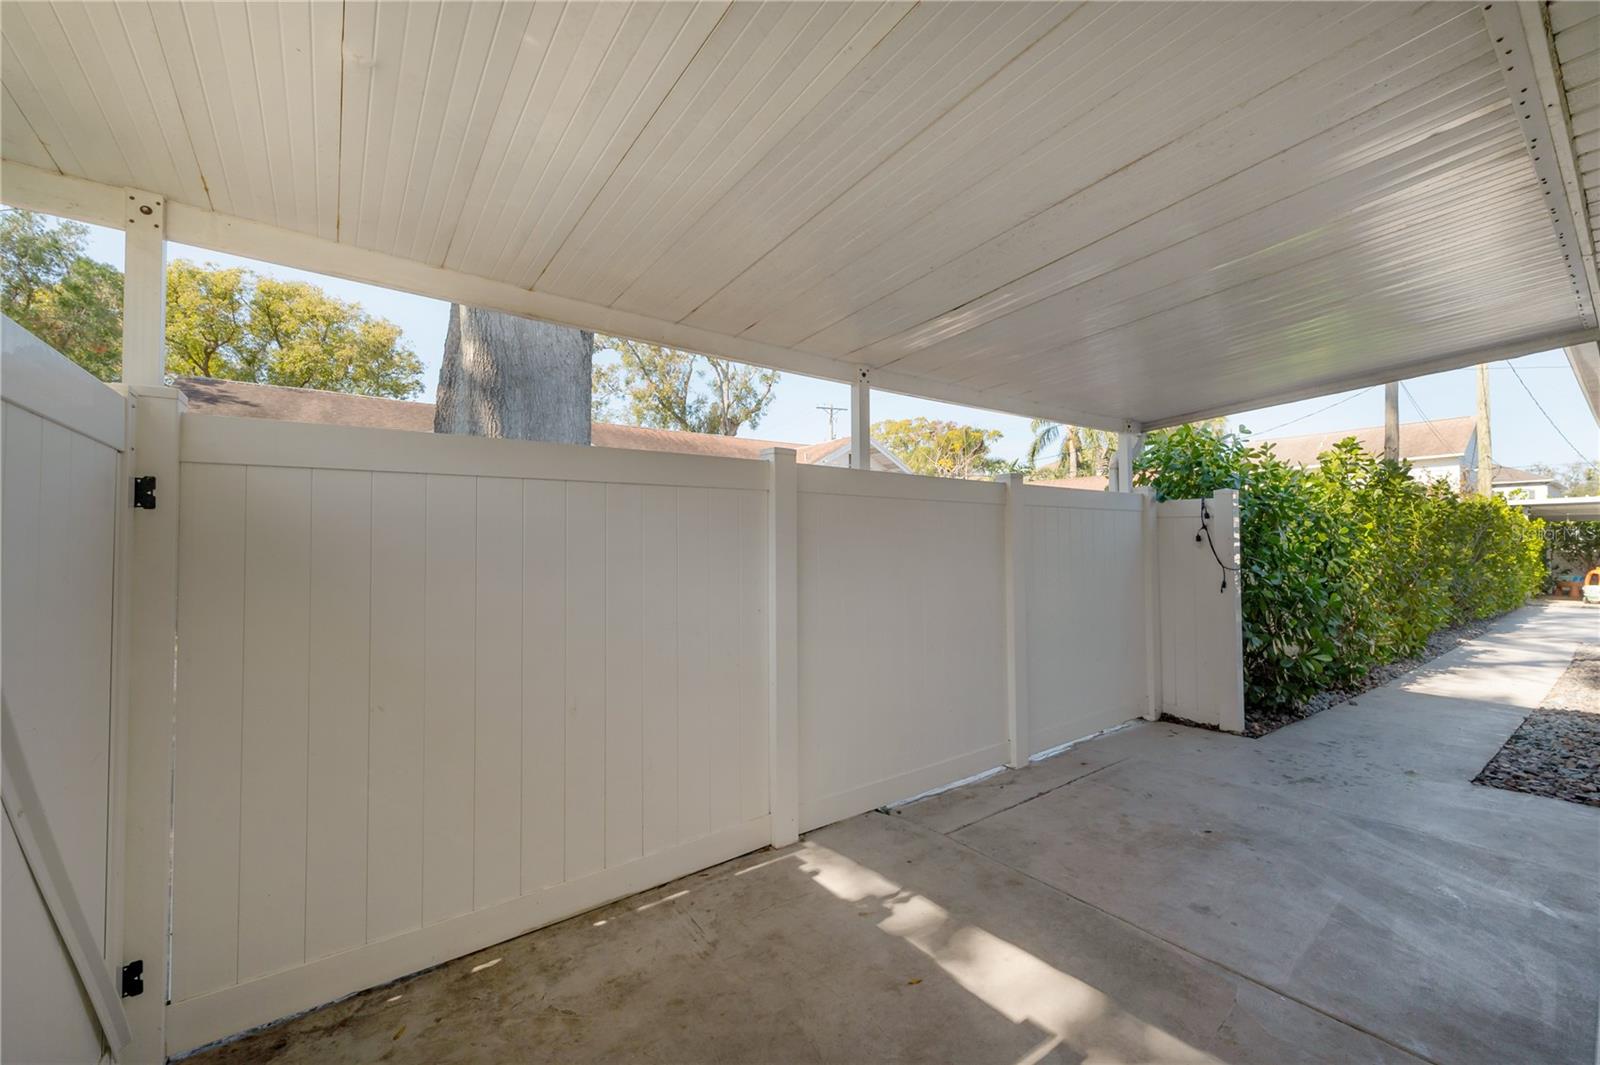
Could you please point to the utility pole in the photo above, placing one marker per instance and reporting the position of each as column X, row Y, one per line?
column 1485, row 453
column 832, row 412
column 1391, row 421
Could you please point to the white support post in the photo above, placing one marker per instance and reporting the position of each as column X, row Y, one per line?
column 152, row 620
column 861, row 422
column 1150, row 557
column 1129, row 444
column 783, row 645
column 144, row 289
column 1017, row 723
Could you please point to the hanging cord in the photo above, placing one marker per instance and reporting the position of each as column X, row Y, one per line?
column 1205, row 530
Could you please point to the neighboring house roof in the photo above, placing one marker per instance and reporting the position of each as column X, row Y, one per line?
column 1091, row 483
column 1447, row 438
column 836, row 452
column 1510, row 475
column 245, row 399
column 242, row 399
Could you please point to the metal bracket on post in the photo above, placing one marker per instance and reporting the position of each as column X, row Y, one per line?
column 133, row 978
column 144, row 493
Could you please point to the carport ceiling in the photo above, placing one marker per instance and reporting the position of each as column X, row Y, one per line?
column 1103, row 212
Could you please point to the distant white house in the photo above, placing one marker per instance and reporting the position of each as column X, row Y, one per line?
column 1523, row 485
column 244, row 399
column 1443, row 450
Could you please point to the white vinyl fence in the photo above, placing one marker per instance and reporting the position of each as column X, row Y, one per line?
column 435, row 691
column 1084, row 582
column 902, row 637
column 432, row 692
column 1201, row 637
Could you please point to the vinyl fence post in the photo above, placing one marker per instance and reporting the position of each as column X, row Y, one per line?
column 1150, row 558
column 152, row 624
column 1017, row 723
column 783, row 646
column 1225, row 508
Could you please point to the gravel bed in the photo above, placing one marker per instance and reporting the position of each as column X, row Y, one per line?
column 1556, row 750
column 1257, row 723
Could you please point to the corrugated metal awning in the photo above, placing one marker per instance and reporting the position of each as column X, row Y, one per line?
column 1101, row 212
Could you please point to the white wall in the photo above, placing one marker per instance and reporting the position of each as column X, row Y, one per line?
column 1085, row 612
column 435, row 691
column 1201, row 649
column 901, row 636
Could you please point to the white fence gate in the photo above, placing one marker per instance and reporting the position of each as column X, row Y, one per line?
column 431, row 692
column 63, row 437
column 1201, row 633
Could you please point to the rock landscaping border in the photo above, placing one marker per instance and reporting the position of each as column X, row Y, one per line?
column 1555, row 752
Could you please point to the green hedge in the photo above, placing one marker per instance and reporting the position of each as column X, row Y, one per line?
column 1350, row 565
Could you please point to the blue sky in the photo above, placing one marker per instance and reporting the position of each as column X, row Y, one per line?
column 1522, row 434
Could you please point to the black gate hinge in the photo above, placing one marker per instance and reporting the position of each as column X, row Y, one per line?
column 144, row 492
column 133, row 978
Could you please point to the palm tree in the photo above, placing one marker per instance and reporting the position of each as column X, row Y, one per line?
column 1045, row 435
column 1076, row 442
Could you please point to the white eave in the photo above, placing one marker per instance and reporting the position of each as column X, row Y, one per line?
column 1561, row 508
column 1114, row 214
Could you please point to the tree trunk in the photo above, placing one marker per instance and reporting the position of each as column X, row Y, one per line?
column 1072, row 450
column 508, row 376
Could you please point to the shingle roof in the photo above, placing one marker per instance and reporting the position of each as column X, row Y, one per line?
column 1512, row 475
column 1088, row 483
column 1446, row 437
column 244, row 399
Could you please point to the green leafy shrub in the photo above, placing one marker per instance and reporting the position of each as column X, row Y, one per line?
column 1572, row 549
column 1347, row 566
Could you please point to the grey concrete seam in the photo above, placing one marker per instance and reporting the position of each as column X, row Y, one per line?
column 1180, row 947
column 1038, row 795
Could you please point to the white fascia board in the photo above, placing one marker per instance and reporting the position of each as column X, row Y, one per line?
column 33, row 189
column 1526, row 28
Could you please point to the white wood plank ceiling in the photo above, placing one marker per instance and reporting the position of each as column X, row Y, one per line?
column 1114, row 211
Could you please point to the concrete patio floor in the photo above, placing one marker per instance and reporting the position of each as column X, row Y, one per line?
column 1335, row 892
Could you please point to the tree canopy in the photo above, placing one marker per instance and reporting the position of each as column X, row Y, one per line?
column 60, row 295
column 1573, row 479
column 664, row 388
column 935, row 448
column 221, row 321
column 234, row 323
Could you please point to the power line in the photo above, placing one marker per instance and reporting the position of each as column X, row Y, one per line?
column 1313, row 414
column 1581, row 456
column 1423, row 415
